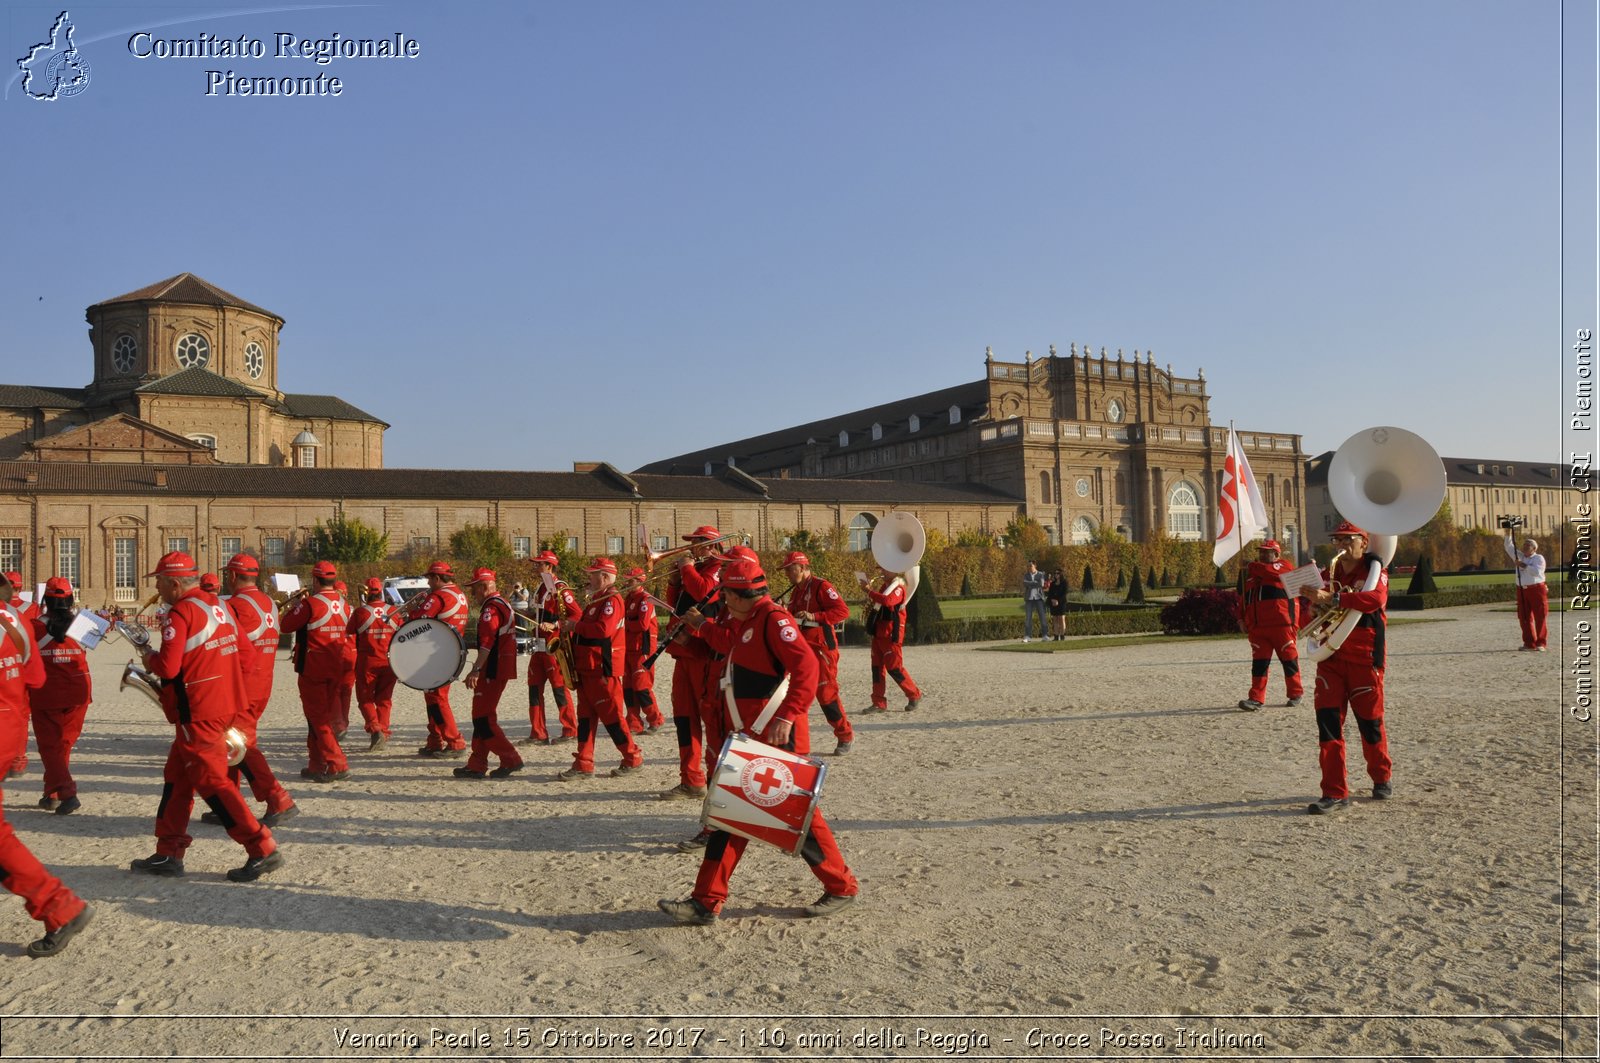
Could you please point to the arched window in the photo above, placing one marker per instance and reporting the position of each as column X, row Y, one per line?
column 916, row 423
column 1082, row 531
column 861, row 531
column 955, row 415
column 877, row 430
column 1044, row 486
column 844, row 438
column 1183, row 512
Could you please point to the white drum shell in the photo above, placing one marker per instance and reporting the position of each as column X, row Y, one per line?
column 426, row 654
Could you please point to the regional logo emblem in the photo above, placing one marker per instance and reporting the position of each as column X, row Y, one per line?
column 766, row 782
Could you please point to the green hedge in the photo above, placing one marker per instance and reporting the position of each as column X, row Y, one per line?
column 1120, row 621
column 1459, row 596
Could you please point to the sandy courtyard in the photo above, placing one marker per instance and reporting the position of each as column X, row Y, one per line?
column 1062, row 856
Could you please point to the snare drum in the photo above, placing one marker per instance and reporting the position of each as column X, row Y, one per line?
column 426, row 653
column 763, row 793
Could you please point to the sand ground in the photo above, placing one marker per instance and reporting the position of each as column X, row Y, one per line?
column 1061, row 855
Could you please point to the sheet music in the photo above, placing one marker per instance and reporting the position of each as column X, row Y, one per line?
column 87, row 629
column 394, row 596
column 285, row 582
column 1307, row 575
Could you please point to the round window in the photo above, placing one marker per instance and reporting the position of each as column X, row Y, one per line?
column 1083, row 487
column 123, row 353
column 193, row 351
column 1114, row 411
column 254, row 360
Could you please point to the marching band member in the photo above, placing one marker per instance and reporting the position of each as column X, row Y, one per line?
column 763, row 645
column 888, row 631
column 210, row 583
column 371, row 627
column 63, row 913
column 494, row 667
column 599, row 646
column 1353, row 676
column 201, row 693
column 256, row 617
column 820, row 609
column 319, row 660
column 638, row 688
column 444, row 601
column 347, row 677
column 553, row 602
column 25, row 612
column 59, row 705
column 1267, row 615
column 693, row 586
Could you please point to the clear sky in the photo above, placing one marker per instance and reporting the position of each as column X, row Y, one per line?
column 623, row 230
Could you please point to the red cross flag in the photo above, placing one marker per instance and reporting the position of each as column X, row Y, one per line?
column 1240, row 514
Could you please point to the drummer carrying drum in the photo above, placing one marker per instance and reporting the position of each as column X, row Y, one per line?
column 763, row 645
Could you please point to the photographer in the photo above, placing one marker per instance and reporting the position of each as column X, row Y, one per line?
column 1533, row 596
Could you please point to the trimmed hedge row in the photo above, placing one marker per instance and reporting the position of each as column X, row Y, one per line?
column 1000, row 628
column 1456, row 596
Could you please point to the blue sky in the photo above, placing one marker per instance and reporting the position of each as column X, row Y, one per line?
column 623, row 230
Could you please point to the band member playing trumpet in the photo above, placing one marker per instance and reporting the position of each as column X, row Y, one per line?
column 553, row 602
column 201, row 693
column 25, row 612
column 1353, row 675
column 62, row 912
column 887, row 626
column 599, row 646
column 763, row 644
column 820, row 609
column 1267, row 616
column 444, row 601
column 58, row 707
column 319, row 660
column 693, row 586
column 639, row 682
column 372, row 626
column 494, row 667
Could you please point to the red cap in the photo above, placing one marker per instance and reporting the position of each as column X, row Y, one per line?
column 637, row 573
column 14, row 578
column 341, row 587
column 208, row 582
column 374, row 584
column 324, row 570
column 244, row 564
column 1346, row 528
column 1270, row 544
column 743, row 574
column 482, row 575
column 176, row 563
column 705, row 531
column 796, row 558
column 602, row 564
column 745, row 553
column 546, row 557
column 442, row 568
column 58, row 587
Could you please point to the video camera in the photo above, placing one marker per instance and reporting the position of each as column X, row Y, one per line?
column 1512, row 522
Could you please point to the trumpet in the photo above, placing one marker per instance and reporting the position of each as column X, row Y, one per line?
column 652, row 556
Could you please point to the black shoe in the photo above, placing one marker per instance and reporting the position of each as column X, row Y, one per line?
column 841, row 749
column 56, row 940
column 1250, row 705
column 505, row 771
column 911, row 706
column 429, row 751
column 167, row 866
column 626, row 769
column 329, row 776
column 338, row 736
column 688, row 912
column 1293, row 702
column 574, row 773
column 829, row 904
column 68, row 806
column 49, row 804
column 561, row 740
column 452, row 754
column 1326, row 805
column 309, row 773
column 211, row 818
column 699, row 841
column 377, row 741
column 1382, row 791
column 256, row 866
column 272, row 819
column 469, row 773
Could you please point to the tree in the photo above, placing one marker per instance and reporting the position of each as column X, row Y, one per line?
column 479, row 545
column 1150, row 577
column 1122, row 577
column 1422, row 579
column 966, row 585
column 1088, row 580
column 346, row 539
column 923, row 615
column 973, row 537
column 569, row 566
column 1135, row 590
column 1025, row 534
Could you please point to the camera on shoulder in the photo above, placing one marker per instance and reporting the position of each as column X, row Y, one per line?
column 1512, row 522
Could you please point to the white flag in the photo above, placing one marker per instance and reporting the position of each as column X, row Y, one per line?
column 1240, row 514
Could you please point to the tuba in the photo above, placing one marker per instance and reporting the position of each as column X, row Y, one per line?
column 898, row 543
column 1389, row 481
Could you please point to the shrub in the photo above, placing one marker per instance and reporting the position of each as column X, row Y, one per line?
column 1122, row 579
column 1206, row 611
column 1422, row 579
column 1088, row 580
column 1135, row 590
column 479, row 545
column 346, row 540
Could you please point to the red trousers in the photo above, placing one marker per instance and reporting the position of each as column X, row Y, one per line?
column 600, row 705
column 319, row 700
column 487, row 737
column 375, row 695
column 639, row 696
column 1350, row 681
column 347, row 689
column 689, row 678
column 1533, row 609
column 20, row 871
column 264, row 785
column 542, row 668
column 828, row 692
column 55, row 731
column 442, row 732
column 1264, row 642
column 198, row 764
column 886, row 658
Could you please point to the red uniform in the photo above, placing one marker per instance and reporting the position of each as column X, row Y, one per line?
column 638, row 685
column 371, row 627
column 347, row 682
column 449, row 604
column 203, row 691
column 699, row 725
column 319, row 659
column 256, row 617
column 1353, row 677
column 599, row 647
column 828, row 609
column 58, row 708
column 20, row 871
column 762, row 649
column 551, row 608
column 888, row 630
column 497, row 637
column 26, row 612
column 1268, row 615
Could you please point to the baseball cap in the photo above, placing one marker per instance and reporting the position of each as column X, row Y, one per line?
column 744, row 575
column 705, row 531
column 602, row 564
column 176, row 563
column 208, row 582
column 482, row 575
column 244, row 564
column 441, row 568
column 637, row 573
column 547, row 557
column 14, row 578
column 1346, row 528
column 1269, row 544
column 374, row 584
column 796, row 558
column 324, row 570
column 58, row 587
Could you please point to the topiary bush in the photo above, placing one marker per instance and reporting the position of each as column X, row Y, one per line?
column 1205, row 611
column 1088, row 580
column 1422, row 581
column 1135, row 590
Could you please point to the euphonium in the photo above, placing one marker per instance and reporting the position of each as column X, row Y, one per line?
column 141, row 680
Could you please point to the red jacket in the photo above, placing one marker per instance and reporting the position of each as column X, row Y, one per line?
column 25, row 611
column 699, row 584
column 66, row 672
column 761, row 650
column 1265, row 602
column 642, row 625
column 448, row 603
column 599, row 640
column 1366, row 641
column 20, row 668
column 319, row 653
column 817, row 596
column 497, row 633
column 199, row 661
column 371, row 627
column 889, row 621
column 256, row 617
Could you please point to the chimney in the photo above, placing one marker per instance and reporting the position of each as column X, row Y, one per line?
column 161, row 477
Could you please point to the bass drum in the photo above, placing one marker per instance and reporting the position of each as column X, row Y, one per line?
column 426, row 654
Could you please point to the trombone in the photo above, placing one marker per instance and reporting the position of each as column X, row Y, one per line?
column 652, row 556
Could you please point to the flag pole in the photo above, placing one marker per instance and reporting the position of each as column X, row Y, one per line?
column 1238, row 479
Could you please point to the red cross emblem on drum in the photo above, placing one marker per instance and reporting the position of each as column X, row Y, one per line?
column 766, row 782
